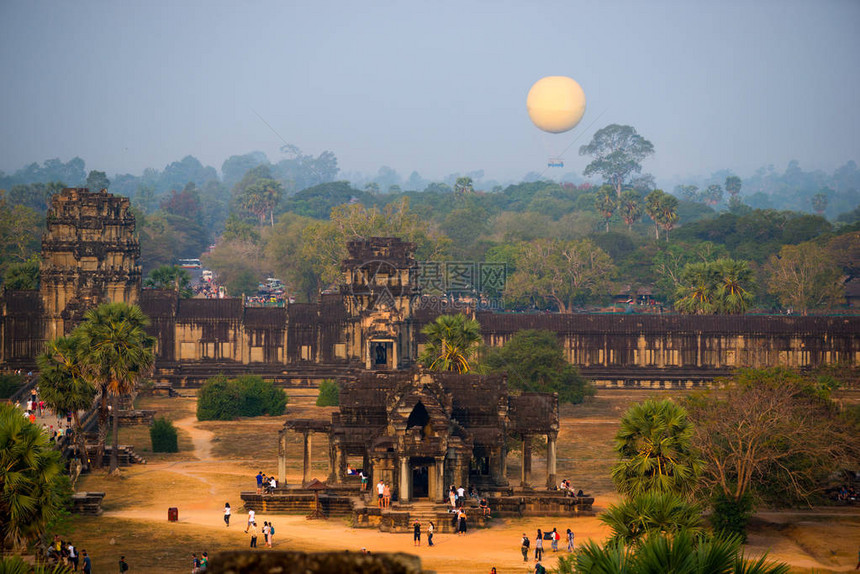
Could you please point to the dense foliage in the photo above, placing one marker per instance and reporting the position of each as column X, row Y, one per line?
column 329, row 394
column 452, row 342
column 223, row 399
column 163, row 435
column 534, row 362
column 9, row 384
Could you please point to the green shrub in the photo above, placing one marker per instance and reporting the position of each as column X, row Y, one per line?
column 329, row 394
column 731, row 516
column 222, row 399
column 163, row 435
column 9, row 384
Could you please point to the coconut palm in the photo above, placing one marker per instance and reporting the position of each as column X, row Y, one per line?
column 653, row 209
column 117, row 355
column 695, row 293
column 452, row 341
column 667, row 213
column 62, row 384
column 635, row 517
column 630, row 206
column 606, row 203
column 682, row 553
column 33, row 487
column 733, row 295
column 654, row 443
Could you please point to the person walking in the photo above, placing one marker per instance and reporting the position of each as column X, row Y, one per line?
column 227, row 512
column 123, row 565
column 430, row 530
column 569, row 540
column 88, row 564
column 73, row 556
column 539, row 546
column 195, row 563
column 254, row 535
column 525, row 547
column 251, row 520
column 555, row 538
column 266, row 533
column 416, row 533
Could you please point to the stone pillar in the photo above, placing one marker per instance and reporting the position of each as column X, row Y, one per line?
column 551, row 476
column 403, row 491
column 306, row 459
column 525, row 472
column 282, row 457
column 439, row 492
column 335, row 461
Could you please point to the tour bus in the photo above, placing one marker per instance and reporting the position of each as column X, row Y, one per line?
column 190, row 263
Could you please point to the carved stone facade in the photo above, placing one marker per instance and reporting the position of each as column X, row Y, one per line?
column 89, row 256
column 422, row 431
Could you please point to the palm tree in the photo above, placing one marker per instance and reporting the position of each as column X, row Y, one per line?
column 33, row 487
column 668, row 213
column 733, row 294
column 682, row 553
column 654, row 443
column 117, row 355
column 695, row 294
column 606, row 203
column 653, row 210
column 63, row 386
column 630, row 206
column 666, row 512
column 452, row 341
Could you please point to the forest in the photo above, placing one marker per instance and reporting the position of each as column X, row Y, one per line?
column 776, row 241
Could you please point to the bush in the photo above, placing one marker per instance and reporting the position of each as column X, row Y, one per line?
column 163, row 436
column 731, row 516
column 9, row 384
column 222, row 399
column 329, row 394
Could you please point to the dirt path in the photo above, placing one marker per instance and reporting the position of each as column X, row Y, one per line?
column 202, row 439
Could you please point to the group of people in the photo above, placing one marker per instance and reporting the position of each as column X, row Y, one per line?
column 265, row 483
column 251, row 528
column 199, row 564
column 564, row 485
column 846, row 493
column 416, row 533
column 553, row 536
column 64, row 552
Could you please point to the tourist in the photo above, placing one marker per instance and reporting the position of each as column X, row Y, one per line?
column 273, row 484
column 88, row 564
column 539, row 569
column 416, row 533
column 569, row 540
column 254, row 535
column 452, row 496
column 123, row 565
column 73, row 556
column 430, row 530
column 461, row 496
column 227, row 512
column 473, row 493
column 380, row 490
column 539, row 546
column 271, row 534
column 493, row 570
column 386, row 495
column 204, row 563
column 525, row 547
column 266, row 533
column 461, row 522
column 555, row 538
column 259, row 478
column 251, row 519
column 195, row 563
column 485, row 509
column 363, row 480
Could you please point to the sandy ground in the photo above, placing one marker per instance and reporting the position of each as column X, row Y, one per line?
column 199, row 483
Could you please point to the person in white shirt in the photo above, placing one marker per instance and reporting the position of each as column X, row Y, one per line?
column 380, row 490
column 251, row 519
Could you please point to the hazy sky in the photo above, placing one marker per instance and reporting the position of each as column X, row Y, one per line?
column 438, row 86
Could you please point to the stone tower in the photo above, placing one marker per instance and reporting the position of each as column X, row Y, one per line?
column 379, row 291
column 89, row 256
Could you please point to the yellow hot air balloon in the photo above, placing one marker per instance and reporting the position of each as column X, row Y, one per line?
column 556, row 104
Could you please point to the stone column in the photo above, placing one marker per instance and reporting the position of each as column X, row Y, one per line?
column 403, row 491
column 306, row 459
column 525, row 472
column 282, row 457
column 335, row 473
column 439, row 493
column 551, row 476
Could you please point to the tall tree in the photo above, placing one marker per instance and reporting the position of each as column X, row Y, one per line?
column 618, row 152
column 662, row 208
column 117, row 355
column 714, row 194
column 97, row 181
column 64, row 387
column 170, row 277
column 630, row 207
column 33, row 487
column 654, row 443
column 606, row 203
column 452, row 342
column 805, row 277
column 733, row 185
